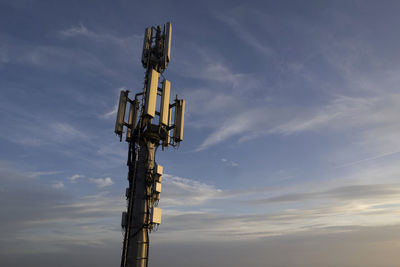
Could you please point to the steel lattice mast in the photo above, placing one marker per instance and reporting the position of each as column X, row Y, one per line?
column 144, row 134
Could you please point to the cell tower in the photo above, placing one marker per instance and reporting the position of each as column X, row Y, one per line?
column 146, row 129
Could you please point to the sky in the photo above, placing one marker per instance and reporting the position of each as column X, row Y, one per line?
column 291, row 150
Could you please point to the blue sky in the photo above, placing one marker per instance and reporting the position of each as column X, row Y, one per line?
column 290, row 154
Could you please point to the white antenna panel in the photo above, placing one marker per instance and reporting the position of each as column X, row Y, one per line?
column 179, row 120
column 155, row 215
column 121, row 113
column 159, row 169
column 157, row 187
column 133, row 113
column 151, row 93
column 164, row 109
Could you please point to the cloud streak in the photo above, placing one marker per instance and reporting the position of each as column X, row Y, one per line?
column 102, row 182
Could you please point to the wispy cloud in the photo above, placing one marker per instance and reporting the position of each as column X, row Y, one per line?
column 380, row 156
column 73, row 31
column 65, row 131
column 74, row 178
column 37, row 174
column 180, row 191
column 102, row 182
column 53, row 216
column 82, row 31
column 344, row 193
column 370, row 115
column 246, row 34
column 58, row 185
column 229, row 162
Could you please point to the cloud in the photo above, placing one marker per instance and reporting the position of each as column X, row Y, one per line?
column 208, row 213
column 39, row 132
column 361, row 98
column 74, row 31
column 376, row 157
column 83, row 31
column 54, row 221
column 37, row 174
column 74, row 178
column 246, row 34
column 58, row 185
column 372, row 116
column 178, row 191
column 102, row 182
column 237, row 125
column 229, row 162
column 329, row 247
column 343, row 193
column 63, row 131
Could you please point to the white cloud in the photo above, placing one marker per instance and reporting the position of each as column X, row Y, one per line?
column 37, row 174
column 74, row 31
column 246, row 35
column 82, row 30
column 236, row 125
column 74, row 178
column 38, row 132
column 102, row 182
column 58, row 185
column 371, row 117
column 178, row 191
column 230, row 162
column 63, row 130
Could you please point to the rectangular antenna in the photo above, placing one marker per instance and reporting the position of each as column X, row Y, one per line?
column 146, row 46
column 124, row 219
column 168, row 135
column 133, row 114
column 151, row 93
column 164, row 108
column 155, row 215
column 179, row 119
column 158, row 173
column 167, row 45
column 121, row 113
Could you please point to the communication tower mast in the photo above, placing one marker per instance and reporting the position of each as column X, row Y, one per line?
column 146, row 130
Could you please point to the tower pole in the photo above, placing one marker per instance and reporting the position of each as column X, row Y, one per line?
column 144, row 136
column 138, row 241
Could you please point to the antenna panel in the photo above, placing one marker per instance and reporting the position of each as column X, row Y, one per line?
column 133, row 114
column 159, row 169
column 155, row 215
column 158, row 173
column 168, row 138
column 164, row 109
column 179, row 120
column 167, row 45
column 121, row 113
column 146, row 46
column 124, row 219
column 157, row 187
column 151, row 93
